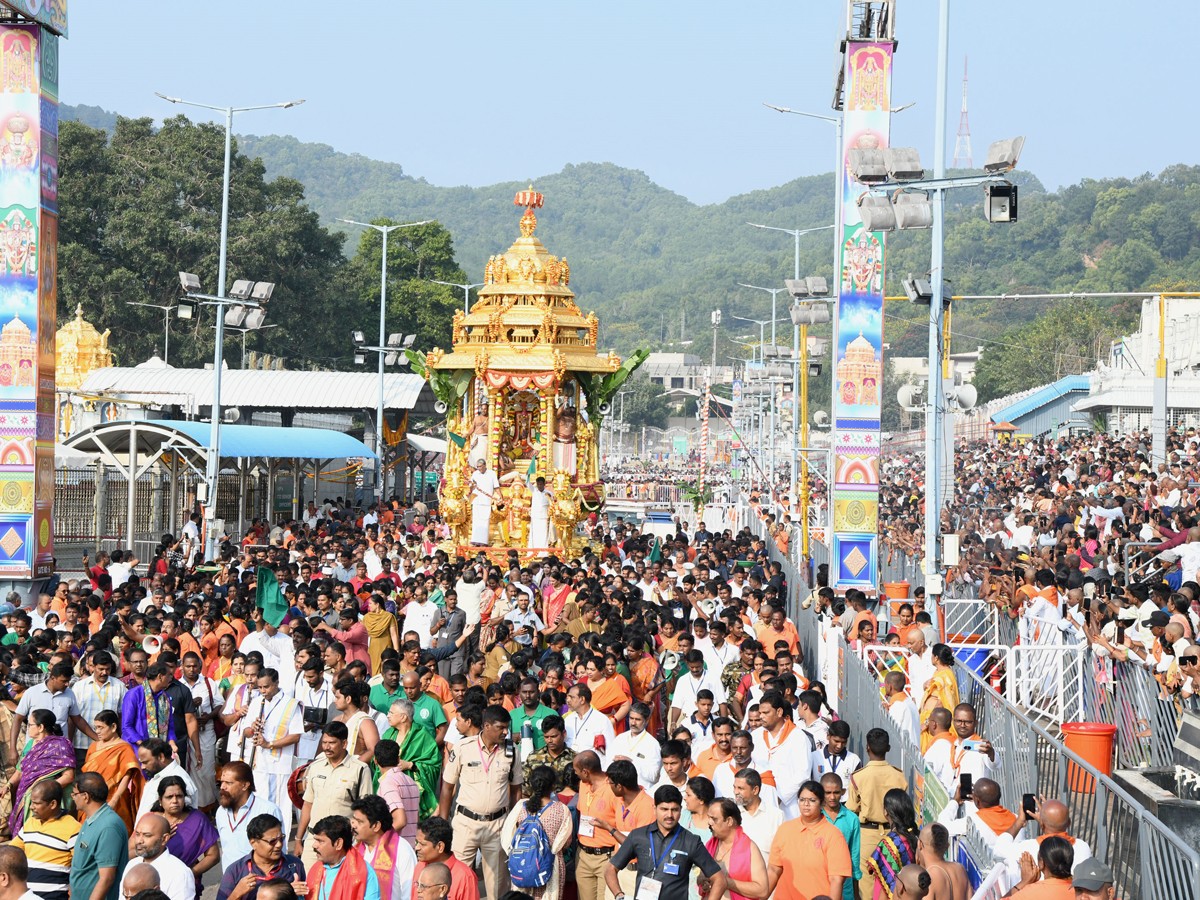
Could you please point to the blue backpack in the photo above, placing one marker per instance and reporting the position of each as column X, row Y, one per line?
column 530, row 862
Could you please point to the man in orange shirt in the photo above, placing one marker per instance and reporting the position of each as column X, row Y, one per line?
column 720, row 751
column 809, row 856
column 434, row 837
column 597, row 819
column 634, row 808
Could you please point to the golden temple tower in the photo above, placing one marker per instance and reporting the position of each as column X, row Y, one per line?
column 79, row 350
column 518, row 380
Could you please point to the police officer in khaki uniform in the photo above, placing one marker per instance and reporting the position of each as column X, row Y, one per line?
column 487, row 770
column 332, row 782
column 868, row 786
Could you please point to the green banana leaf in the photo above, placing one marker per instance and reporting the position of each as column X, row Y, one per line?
column 600, row 389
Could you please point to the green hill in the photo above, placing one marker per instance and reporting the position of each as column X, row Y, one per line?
column 647, row 259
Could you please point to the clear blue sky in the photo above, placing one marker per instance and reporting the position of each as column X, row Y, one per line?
column 473, row 92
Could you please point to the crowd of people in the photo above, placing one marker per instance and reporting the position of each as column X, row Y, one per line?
column 1078, row 541
column 348, row 706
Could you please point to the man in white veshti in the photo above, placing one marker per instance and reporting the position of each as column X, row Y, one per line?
column 539, row 514
column 484, row 485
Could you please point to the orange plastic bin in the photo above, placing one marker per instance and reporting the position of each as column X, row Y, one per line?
column 1093, row 742
column 896, row 590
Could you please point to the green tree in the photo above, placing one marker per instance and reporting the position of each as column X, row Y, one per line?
column 646, row 405
column 141, row 207
column 415, row 305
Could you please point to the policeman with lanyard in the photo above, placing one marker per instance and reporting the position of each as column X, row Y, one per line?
column 665, row 854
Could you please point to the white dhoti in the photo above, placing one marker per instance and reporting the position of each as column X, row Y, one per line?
column 481, row 517
column 273, row 786
column 477, row 451
column 563, row 455
column 539, row 532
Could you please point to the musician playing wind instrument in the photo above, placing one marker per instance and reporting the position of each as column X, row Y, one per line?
column 268, row 735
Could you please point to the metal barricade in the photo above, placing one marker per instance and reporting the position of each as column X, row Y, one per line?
column 1148, row 860
column 969, row 618
column 1047, row 681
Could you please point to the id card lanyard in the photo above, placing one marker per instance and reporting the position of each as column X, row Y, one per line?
column 657, row 861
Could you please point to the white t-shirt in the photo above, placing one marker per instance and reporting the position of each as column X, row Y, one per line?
column 689, row 686
column 419, row 617
column 643, row 751
column 175, row 878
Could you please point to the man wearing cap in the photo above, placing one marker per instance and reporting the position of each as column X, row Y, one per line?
column 1093, row 880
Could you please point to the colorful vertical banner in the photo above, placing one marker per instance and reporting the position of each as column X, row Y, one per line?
column 28, row 298
column 858, row 348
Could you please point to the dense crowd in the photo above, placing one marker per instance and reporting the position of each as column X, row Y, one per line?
column 1079, row 540
column 345, row 705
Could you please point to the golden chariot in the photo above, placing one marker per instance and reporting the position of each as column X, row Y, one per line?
column 525, row 389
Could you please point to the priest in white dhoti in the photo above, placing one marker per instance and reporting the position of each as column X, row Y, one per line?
column 539, row 515
column 484, row 485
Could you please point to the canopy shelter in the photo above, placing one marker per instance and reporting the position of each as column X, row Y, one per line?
column 134, row 447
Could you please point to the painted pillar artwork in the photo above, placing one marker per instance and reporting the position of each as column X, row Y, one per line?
column 858, row 349
column 28, row 298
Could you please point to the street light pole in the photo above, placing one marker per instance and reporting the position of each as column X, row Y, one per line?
column 774, row 292
column 466, row 289
column 384, row 230
column 166, row 322
column 212, row 469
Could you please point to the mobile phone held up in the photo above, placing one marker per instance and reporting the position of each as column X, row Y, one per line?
column 965, row 785
column 1029, row 804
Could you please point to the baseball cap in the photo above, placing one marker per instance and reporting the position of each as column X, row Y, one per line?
column 1091, row 875
column 1159, row 619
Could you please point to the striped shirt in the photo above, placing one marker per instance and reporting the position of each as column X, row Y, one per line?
column 48, row 846
column 93, row 698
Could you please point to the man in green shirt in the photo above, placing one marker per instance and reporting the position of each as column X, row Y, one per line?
column 102, row 845
column 388, row 689
column 532, row 711
column 20, row 629
column 427, row 711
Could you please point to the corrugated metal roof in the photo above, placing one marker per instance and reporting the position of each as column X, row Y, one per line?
column 258, row 389
column 1040, row 398
column 424, row 444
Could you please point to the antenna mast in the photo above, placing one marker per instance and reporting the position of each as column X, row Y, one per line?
column 962, row 142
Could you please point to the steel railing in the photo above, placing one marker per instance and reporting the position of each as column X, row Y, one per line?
column 1148, row 859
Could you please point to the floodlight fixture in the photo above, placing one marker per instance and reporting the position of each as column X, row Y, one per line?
column 409, row 340
column 797, row 287
column 876, row 213
column 190, row 282
column 1000, row 202
column 255, row 318
column 395, row 340
column 904, row 163
column 389, row 359
column 358, row 337
column 241, row 289
column 186, row 308
column 867, row 165
column 814, row 370
column 716, row 318
column 1002, row 156
column 263, row 289
column 919, row 290
column 359, row 357
column 817, row 286
column 913, row 210
column 235, row 315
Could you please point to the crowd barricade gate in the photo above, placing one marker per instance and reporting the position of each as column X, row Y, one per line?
column 1149, row 861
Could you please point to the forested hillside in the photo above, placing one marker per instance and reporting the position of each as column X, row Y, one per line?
column 647, row 259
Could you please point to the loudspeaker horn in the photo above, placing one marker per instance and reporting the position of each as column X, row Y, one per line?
column 440, row 407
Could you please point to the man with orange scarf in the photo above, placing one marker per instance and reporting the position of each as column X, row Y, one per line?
column 339, row 874
column 984, row 807
column 382, row 848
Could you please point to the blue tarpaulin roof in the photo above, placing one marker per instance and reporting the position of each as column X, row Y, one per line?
column 272, row 441
column 1040, row 398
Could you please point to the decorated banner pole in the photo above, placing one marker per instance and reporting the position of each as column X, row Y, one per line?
column 705, row 403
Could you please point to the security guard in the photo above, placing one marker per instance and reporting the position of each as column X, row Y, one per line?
column 487, row 770
column 867, row 789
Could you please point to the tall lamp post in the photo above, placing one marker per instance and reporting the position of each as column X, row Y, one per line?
column 804, row 314
column 774, row 292
column 166, row 321
column 384, row 230
column 466, row 289
column 212, row 469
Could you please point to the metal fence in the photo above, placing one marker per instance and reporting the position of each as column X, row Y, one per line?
column 1148, row 860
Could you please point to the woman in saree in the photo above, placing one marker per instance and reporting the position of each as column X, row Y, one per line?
column 420, row 758
column 609, row 695
column 941, row 689
column 498, row 653
column 558, row 593
column 221, row 667
column 739, row 857
column 51, row 756
column 193, row 837
column 383, row 632
column 116, row 762
column 898, row 847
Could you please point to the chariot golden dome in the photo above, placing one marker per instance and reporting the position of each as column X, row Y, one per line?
column 526, row 318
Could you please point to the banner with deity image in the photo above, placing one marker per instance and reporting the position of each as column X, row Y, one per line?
column 858, row 341
column 28, row 300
